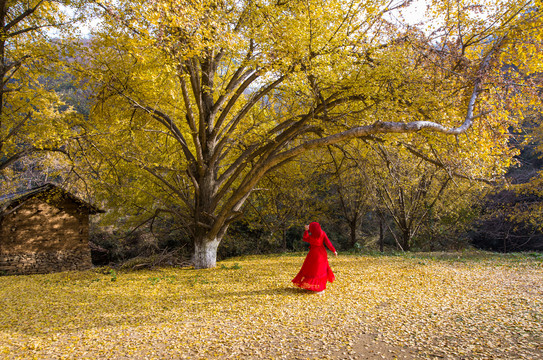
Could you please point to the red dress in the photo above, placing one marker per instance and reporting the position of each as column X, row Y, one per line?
column 315, row 271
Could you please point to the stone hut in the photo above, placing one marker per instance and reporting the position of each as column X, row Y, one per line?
column 44, row 230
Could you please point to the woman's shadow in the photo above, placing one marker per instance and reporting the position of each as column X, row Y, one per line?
column 273, row 291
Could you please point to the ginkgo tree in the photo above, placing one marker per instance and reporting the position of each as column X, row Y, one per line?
column 410, row 189
column 196, row 101
column 282, row 201
column 348, row 188
column 33, row 119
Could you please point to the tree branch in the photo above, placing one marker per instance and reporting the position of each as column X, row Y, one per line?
column 170, row 186
column 7, row 162
column 22, row 16
column 443, row 166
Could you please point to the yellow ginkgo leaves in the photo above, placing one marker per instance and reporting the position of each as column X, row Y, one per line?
column 451, row 305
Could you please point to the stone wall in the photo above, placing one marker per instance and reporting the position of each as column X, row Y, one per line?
column 37, row 226
column 45, row 262
column 40, row 236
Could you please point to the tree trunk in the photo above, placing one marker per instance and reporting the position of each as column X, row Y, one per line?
column 381, row 236
column 205, row 253
column 353, row 233
column 406, row 240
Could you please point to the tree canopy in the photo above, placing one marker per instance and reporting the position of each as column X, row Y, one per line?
column 198, row 100
column 33, row 119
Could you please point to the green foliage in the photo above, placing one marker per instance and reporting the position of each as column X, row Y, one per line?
column 199, row 280
column 236, row 266
column 113, row 274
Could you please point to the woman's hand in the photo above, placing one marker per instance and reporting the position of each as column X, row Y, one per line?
column 307, row 228
column 335, row 253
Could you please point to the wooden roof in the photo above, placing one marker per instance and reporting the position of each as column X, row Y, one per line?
column 9, row 201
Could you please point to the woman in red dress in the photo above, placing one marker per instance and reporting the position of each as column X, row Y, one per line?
column 315, row 271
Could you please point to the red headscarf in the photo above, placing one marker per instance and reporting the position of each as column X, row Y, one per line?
column 315, row 229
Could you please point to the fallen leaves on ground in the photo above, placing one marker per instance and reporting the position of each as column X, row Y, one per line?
column 452, row 307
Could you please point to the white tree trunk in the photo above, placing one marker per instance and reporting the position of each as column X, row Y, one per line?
column 205, row 253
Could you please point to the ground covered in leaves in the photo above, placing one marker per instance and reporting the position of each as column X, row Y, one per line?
column 470, row 305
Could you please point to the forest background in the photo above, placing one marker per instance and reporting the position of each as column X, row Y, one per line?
column 222, row 127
